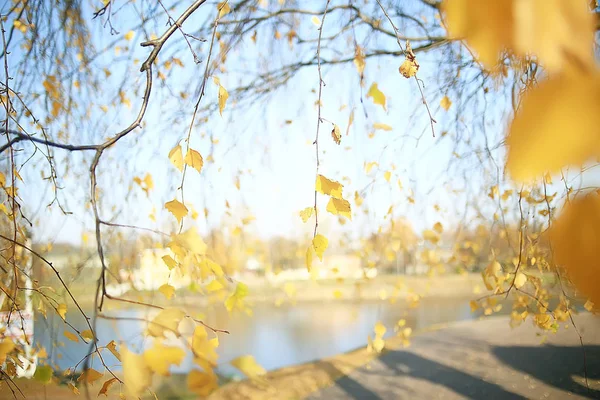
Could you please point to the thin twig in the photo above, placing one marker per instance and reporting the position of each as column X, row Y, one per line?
column 319, row 119
column 432, row 121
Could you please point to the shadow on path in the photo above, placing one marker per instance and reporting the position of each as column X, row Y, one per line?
column 555, row 365
column 410, row 365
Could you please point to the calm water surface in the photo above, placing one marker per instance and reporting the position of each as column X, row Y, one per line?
column 275, row 336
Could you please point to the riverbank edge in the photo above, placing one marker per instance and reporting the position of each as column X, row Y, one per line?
column 300, row 381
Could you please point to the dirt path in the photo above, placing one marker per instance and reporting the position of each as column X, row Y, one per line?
column 476, row 359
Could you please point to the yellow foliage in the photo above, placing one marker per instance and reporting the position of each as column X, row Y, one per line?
column 320, row 244
column 167, row 290
column 339, row 207
column 137, row 376
column 106, row 386
column 558, row 32
column 329, row 187
column 248, row 366
column 384, row 127
column 237, row 298
column 445, row 103
column 202, row 383
column 223, row 96
column 160, row 357
column 71, row 336
column 556, row 126
column 203, row 347
column 177, row 208
column 61, row 309
column 575, row 237
column 112, row 347
column 176, row 157
column 169, row 261
column 194, row 160
column 408, row 68
column 309, row 258
column 336, row 134
column 359, row 60
column 377, row 95
column 166, row 320
column 89, row 376
column 6, row 346
column 306, row 213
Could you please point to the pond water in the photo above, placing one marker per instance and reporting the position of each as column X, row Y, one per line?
column 275, row 336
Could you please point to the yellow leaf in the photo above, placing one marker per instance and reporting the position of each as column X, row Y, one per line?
column 337, row 294
column 169, row 261
column 309, row 258
column 129, row 35
column 214, row 286
column 166, row 320
column 223, row 96
column 384, row 127
column 589, row 306
column 438, row 227
column 137, row 376
column 87, row 334
column 520, row 280
column 160, row 357
column 201, row 383
column 176, row 157
column 89, row 376
column 357, row 199
column 339, row 207
column 575, row 236
column 106, row 386
column 316, row 21
column 485, row 25
column 387, row 175
column 248, row 220
column 369, row 166
column 336, row 134
column 359, row 60
column 409, row 68
column 194, row 160
column 306, row 213
column 379, row 330
column 248, row 365
column 223, row 8
column 178, row 209
column 556, row 126
column 377, row 95
column 71, row 336
column 431, row 236
column 445, row 103
column 61, row 309
column 237, row 231
column 203, row 347
column 474, row 305
column 167, row 290
column 6, row 346
column 112, row 347
column 559, row 32
column 73, row 388
column 320, row 244
column 236, row 300
column 2, row 180
column 189, row 240
column 328, row 187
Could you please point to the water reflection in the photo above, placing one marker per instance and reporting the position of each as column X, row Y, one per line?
column 276, row 336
